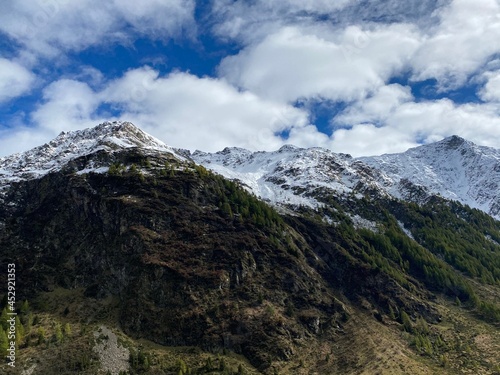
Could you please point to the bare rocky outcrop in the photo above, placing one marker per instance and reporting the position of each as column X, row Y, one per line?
column 112, row 356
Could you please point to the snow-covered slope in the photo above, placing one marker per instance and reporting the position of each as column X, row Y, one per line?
column 53, row 156
column 291, row 175
column 453, row 168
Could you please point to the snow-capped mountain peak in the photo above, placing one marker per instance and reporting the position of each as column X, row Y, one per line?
column 453, row 168
column 67, row 146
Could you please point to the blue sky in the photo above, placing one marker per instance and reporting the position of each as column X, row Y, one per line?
column 362, row 77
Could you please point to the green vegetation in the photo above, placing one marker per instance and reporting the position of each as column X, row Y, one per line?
column 406, row 322
column 67, row 330
column 450, row 240
column 465, row 238
column 116, row 169
column 4, row 342
column 58, row 335
column 41, row 335
column 140, row 361
column 234, row 200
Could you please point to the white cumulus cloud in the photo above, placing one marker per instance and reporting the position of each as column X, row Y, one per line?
column 48, row 28
column 294, row 64
column 204, row 113
column 381, row 128
column 491, row 90
column 463, row 41
column 181, row 109
column 15, row 80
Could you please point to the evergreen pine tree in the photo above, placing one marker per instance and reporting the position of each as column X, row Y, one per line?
column 24, row 309
column 405, row 320
column 19, row 331
column 392, row 314
column 3, row 319
column 28, row 323
column 58, row 334
column 4, row 342
column 67, row 330
column 41, row 335
column 182, row 367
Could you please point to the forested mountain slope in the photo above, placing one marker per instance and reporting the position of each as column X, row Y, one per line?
column 197, row 275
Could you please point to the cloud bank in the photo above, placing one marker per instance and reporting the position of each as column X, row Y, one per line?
column 392, row 75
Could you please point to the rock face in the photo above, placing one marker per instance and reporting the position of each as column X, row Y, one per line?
column 112, row 356
column 453, row 168
column 185, row 272
column 292, row 175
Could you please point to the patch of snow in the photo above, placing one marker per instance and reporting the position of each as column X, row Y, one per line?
column 362, row 223
column 406, row 231
column 93, row 170
column 454, row 169
column 488, row 237
column 291, row 175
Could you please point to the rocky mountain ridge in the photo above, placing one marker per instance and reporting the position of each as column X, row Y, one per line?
column 453, row 168
column 291, row 175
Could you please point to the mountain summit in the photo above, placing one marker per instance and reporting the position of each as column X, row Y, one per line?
column 82, row 151
column 108, row 136
column 453, row 168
